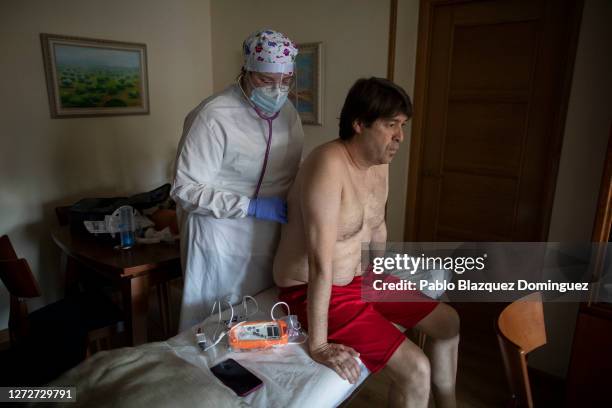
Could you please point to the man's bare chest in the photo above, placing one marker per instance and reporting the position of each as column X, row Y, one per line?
column 362, row 204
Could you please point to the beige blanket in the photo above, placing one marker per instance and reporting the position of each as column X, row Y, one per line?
column 176, row 373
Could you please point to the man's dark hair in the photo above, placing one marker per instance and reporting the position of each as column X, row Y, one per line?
column 371, row 99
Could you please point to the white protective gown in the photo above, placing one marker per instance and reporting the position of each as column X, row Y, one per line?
column 224, row 253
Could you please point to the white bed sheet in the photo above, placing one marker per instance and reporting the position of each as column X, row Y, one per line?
column 176, row 373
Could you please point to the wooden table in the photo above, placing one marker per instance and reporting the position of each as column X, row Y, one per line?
column 133, row 270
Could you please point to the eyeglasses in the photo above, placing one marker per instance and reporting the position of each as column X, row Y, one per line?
column 265, row 80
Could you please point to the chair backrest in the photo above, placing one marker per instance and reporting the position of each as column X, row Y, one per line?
column 18, row 278
column 20, row 282
column 16, row 273
column 6, row 249
column 520, row 330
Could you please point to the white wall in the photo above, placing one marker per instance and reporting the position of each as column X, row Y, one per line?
column 587, row 129
column 404, row 75
column 48, row 162
column 354, row 34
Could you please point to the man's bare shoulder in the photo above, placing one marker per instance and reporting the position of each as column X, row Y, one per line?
column 329, row 156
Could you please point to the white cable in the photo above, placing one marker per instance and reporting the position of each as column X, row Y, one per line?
column 276, row 304
column 222, row 335
column 212, row 311
column 219, row 320
column 232, row 315
column 245, row 305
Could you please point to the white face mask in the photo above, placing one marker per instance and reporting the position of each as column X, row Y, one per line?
column 269, row 99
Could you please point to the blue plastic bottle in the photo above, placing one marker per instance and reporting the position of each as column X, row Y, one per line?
column 126, row 226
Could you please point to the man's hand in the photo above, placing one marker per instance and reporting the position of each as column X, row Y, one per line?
column 339, row 358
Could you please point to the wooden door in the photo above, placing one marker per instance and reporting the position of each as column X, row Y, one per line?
column 490, row 96
column 590, row 369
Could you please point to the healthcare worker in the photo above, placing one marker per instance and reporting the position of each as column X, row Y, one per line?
column 238, row 156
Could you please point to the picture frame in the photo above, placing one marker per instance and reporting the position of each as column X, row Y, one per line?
column 92, row 77
column 307, row 96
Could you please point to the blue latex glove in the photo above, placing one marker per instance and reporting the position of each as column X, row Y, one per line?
column 268, row 208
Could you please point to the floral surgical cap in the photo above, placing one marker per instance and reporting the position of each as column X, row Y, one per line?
column 269, row 51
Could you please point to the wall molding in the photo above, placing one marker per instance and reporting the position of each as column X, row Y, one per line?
column 392, row 36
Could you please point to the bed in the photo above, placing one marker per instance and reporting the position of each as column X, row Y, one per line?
column 176, row 373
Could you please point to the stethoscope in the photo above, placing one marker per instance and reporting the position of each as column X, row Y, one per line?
column 268, row 119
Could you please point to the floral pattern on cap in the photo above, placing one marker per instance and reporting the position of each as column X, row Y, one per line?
column 269, row 51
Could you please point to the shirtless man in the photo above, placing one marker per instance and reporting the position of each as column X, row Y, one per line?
column 336, row 203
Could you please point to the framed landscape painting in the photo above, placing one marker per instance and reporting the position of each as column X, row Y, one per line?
column 89, row 77
column 307, row 95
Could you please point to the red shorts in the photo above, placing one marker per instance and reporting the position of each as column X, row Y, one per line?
column 364, row 326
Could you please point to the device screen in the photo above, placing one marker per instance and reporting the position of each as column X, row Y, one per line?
column 236, row 377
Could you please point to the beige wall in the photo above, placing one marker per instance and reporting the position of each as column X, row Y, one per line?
column 354, row 34
column 47, row 162
column 405, row 61
column 587, row 129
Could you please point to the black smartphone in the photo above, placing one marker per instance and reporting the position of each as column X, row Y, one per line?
column 236, row 377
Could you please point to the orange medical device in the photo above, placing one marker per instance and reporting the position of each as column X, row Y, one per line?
column 258, row 335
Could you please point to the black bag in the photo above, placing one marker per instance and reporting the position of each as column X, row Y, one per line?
column 94, row 209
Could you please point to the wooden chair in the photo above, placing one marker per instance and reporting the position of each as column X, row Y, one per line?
column 56, row 337
column 520, row 330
